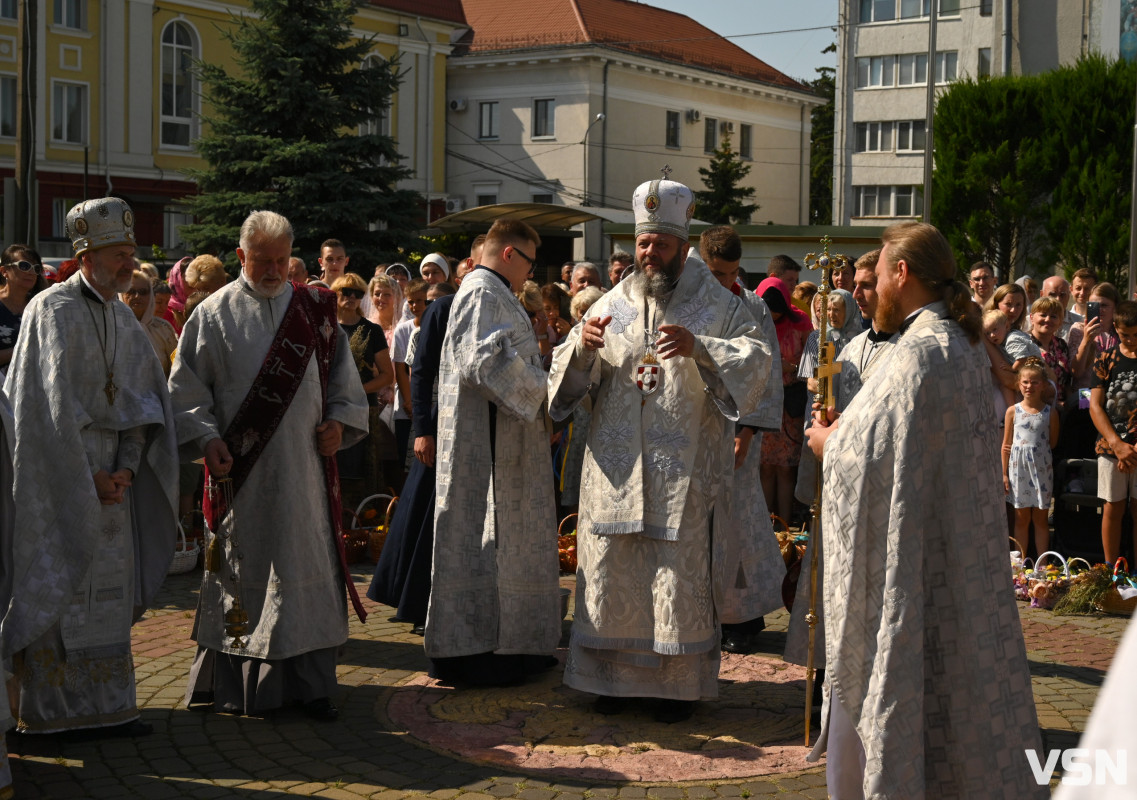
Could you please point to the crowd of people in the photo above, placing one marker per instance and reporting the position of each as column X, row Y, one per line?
column 661, row 399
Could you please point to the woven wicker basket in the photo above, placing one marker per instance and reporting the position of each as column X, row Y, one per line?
column 185, row 554
column 1112, row 602
column 368, row 513
column 566, row 545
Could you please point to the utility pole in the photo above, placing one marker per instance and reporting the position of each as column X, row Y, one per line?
column 27, row 24
column 930, row 110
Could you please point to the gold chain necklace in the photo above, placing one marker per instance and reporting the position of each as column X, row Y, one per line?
column 108, row 388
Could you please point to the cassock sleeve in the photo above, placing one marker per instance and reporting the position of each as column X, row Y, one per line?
column 768, row 417
column 487, row 360
column 347, row 402
column 191, row 389
column 425, row 370
column 736, row 367
column 572, row 375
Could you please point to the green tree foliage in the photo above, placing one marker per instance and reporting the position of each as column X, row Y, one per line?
column 1093, row 122
column 821, row 146
column 993, row 161
column 1035, row 170
column 284, row 134
column 725, row 202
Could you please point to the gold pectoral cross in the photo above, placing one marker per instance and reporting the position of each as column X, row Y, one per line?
column 110, row 389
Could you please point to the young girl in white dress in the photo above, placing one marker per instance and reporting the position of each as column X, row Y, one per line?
column 1030, row 432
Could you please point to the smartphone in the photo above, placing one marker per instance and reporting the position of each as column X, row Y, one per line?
column 1093, row 310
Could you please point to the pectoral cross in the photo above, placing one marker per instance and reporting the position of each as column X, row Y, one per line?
column 110, row 389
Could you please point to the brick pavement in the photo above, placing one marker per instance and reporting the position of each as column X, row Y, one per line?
column 204, row 755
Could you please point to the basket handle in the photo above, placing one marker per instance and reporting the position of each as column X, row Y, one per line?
column 181, row 536
column 1072, row 561
column 390, row 513
column 1062, row 561
column 565, row 521
column 347, row 512
column 1017, row 545
column 363, row 503
column 775, row 520
column 1117, row 565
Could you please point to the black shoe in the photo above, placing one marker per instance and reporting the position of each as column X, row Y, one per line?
column 738, row 643
column 608, row 705
column 322, row 710
column 671, row 711
column 419, row 630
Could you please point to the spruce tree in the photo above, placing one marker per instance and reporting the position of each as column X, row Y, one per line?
column 725, row 202
column 284, row 134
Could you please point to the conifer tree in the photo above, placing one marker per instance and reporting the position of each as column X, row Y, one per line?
column 291, row 130
column 725, row 202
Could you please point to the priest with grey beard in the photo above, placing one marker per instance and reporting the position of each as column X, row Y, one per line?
column 265, row 388
column 671, row 360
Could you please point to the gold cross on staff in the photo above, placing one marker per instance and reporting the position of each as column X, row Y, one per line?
column 827, row 369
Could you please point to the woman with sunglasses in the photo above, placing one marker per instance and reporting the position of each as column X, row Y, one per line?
column 21, row 271
column 359, row 471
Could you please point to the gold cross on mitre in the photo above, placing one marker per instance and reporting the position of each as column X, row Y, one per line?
column 666, row 170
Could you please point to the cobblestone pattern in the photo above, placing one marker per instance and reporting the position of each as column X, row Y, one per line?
column 205, row 755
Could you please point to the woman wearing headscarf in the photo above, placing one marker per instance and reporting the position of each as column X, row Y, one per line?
column 139, row 298
column 781, row 450
column 178, row 294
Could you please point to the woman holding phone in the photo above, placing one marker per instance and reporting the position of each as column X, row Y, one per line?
column 1095, row 335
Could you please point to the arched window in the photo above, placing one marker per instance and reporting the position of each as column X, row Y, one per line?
column 179, row 87
column 379, row 119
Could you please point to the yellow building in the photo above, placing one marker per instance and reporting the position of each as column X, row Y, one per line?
column 118, row 110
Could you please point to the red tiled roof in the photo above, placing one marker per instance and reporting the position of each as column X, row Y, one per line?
column 616, row 24
column 446, row 10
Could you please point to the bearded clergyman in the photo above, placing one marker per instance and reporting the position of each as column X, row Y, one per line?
column 671, row 360
column 94, row 489
column 266, row 389
column 927, row 686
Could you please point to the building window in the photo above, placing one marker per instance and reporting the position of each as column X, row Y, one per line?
column 7, row 9
column 59, row 208
column 488, row 121
column 873, row 137
column 745, row 141
column 69, row 113
column 878, row 10
column 69, row 14
column 946, row 66
column 485, row 194
column 910, row 136
column 378, row 121
column 541, row 197
column 172, row 221
column 876, row 71
column 710, row 134
column 671, row 135
column 543, row 118
column 984, row 68
column 913, row 69
column 949, row 8
column 986, row 8
column 7, row 105
column 888, row 201
column 178, row 89
column 886, row 10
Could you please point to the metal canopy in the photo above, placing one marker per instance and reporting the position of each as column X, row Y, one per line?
column 544, row 217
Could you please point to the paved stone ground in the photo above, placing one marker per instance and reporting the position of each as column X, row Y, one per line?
column 204, row 755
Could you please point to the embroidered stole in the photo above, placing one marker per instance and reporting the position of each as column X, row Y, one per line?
column 309, row 327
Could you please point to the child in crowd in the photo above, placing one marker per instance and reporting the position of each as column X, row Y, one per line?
column 1030, row 432
column 1113, row 408
column 416, row 305
column 995, row 329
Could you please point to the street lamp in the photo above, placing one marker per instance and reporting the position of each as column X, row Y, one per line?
column 584, row 143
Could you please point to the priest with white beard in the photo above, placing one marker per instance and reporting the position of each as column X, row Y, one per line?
column 671, row 360
column 927, row 687
column 266, row 389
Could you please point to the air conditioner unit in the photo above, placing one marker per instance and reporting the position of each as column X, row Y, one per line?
column 727, row 127
column 694, row 115
column 454, row 205
column 458, row 105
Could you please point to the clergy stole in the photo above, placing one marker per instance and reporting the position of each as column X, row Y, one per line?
column 308, row 328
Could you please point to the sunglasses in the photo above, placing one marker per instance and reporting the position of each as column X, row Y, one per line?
column 354, row 293
column 532, row 261
column 27, row 266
